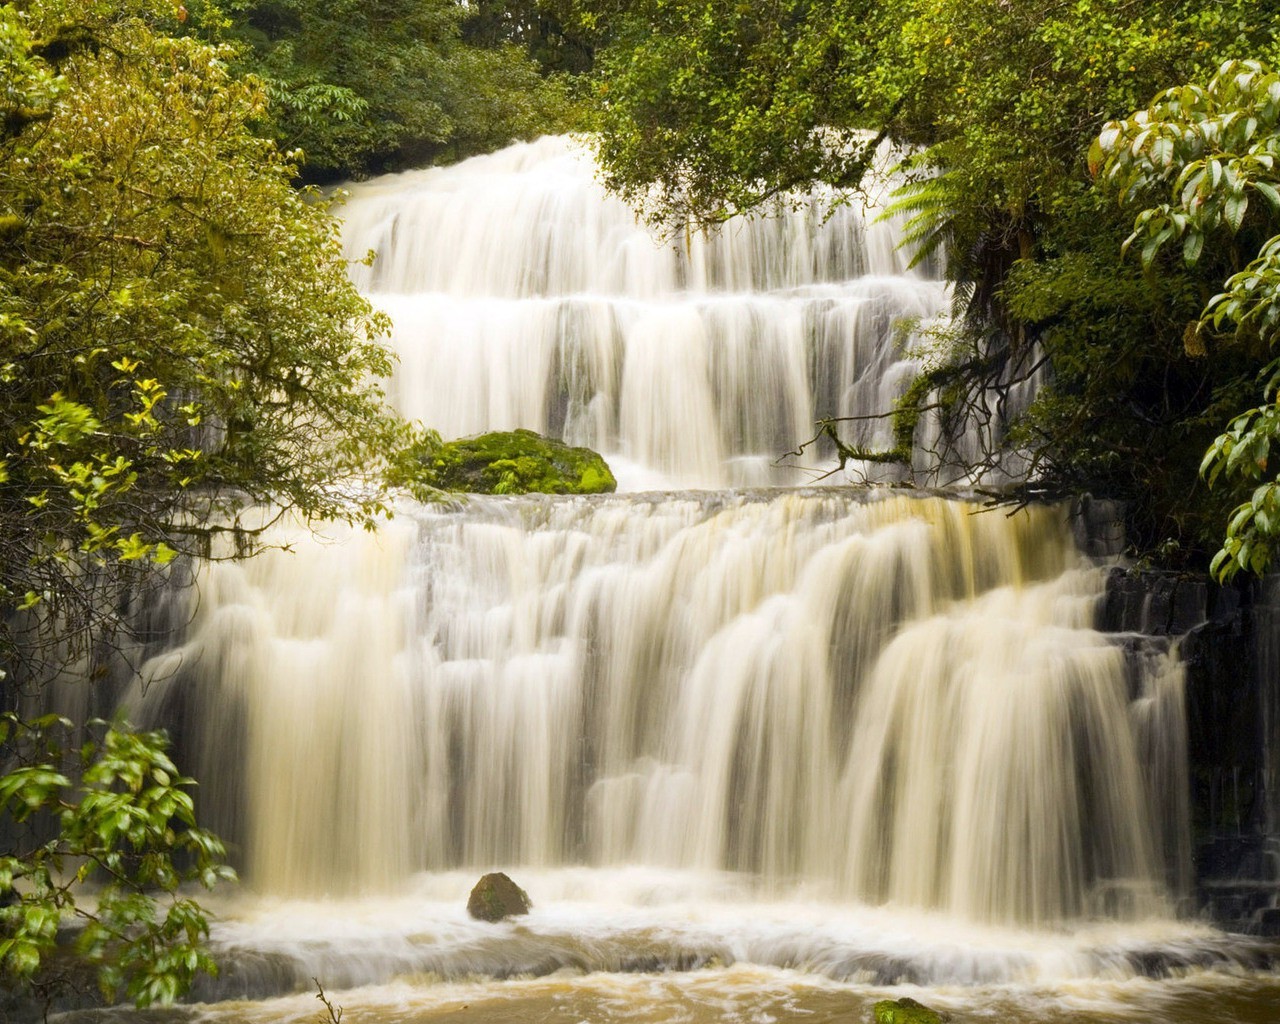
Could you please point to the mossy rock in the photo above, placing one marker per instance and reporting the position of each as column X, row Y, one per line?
column 518, row 462
column 495, row 897
column 905, row 1011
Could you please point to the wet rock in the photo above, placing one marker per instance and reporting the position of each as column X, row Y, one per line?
column 1161, row 603
column 517, row 462
column 1098, row 525
column 496, row 897
column 905, row 1011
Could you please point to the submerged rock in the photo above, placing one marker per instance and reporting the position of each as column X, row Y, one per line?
column 518, row 462
column 496, row 897
column 905, row 1011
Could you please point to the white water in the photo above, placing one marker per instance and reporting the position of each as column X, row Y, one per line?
column 892, row 699
column 865, row 737
column 544, row 304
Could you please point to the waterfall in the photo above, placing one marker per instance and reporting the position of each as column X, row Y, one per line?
column 731, row 677
column 693, row 362
column 896, row 698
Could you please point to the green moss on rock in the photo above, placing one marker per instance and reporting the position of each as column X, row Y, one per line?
column 905, row 1011
column 517, row 462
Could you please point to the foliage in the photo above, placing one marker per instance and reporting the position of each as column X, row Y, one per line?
column 545, row 29
column 361, row 87
column 128, row 821
column 1212, row 155
column 178, row 335
column 714, row 107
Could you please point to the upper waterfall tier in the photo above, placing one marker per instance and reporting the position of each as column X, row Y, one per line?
column 532, row 221
column 523, row 295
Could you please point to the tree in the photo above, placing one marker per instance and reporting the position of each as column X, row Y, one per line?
column 179, row 337
column 129, row 819
column 543, row 28
column 361, row 87
column 1212, row 154
column 713, row 108
column 180, row 348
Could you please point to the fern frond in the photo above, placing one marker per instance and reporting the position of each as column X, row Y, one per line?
column 927, row 207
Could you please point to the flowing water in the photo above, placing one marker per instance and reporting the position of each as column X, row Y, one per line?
column 758, row 750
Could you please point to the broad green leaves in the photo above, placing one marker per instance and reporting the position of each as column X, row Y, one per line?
column 128, row 827
column 1212, row 154
column 1211, row 150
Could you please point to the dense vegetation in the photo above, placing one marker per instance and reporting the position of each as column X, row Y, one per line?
column 1212, row 153
column 725, row 106
column 360, row 88
column 180, row 335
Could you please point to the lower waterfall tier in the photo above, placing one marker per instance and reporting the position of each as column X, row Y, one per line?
column 888, row 699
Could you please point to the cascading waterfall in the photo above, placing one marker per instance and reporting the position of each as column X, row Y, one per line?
column 694, row 363
column 900, row 699
column 683, row 697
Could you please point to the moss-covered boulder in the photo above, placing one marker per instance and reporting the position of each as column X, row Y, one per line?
column 905, row 1011
column 495, row 896
column 517, row 462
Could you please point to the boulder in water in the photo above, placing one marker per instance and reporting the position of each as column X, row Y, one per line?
column 496, row 897
column 905, row 1011
column 517, row 462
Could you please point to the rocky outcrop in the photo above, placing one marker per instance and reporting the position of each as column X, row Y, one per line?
column 496, row 897
column 1229, row 642
column 517, row 462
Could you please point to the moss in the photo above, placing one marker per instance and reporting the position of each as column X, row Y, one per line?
column 516, row 462
column 905, row 1011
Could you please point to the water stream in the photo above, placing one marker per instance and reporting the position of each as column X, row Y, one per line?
column 759, row 750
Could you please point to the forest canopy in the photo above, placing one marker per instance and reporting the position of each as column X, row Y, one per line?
column 360, row 88
column 711, row 108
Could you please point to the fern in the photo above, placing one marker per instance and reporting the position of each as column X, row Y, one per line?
column 927, row 205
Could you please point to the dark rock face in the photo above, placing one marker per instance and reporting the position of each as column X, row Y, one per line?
column 1229, row 641
column 1162, row 603
column 1098, row 525
column 518, row 462
column 496, row 897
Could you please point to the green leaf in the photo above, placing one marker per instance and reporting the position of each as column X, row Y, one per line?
column 1192, row 245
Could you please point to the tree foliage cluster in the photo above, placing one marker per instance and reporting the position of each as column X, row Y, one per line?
column 125, row 816
column 360, row 87
column 545, row 29
column 712, row 107
column 1208, row 158
column 178, row 334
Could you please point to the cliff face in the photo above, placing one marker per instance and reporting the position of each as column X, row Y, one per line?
column 1229, row 641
